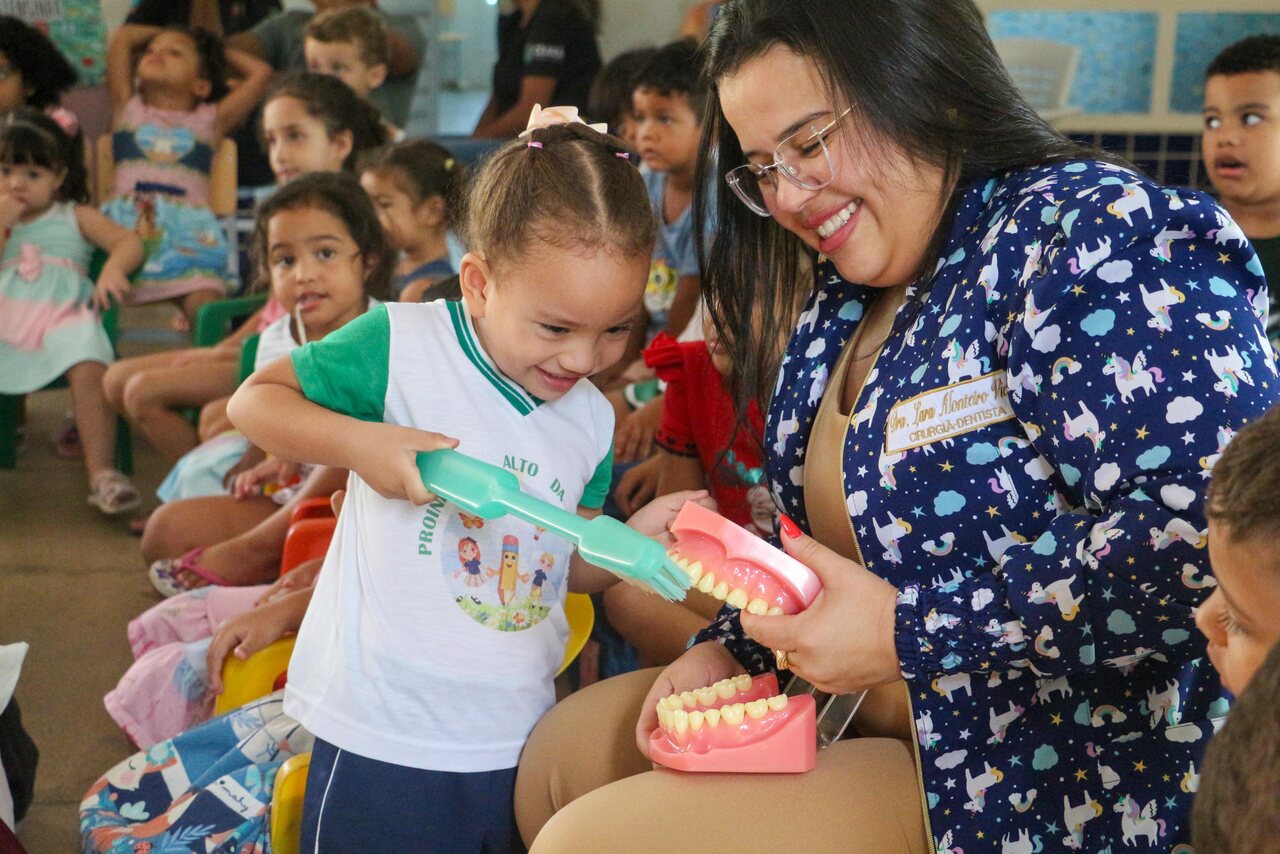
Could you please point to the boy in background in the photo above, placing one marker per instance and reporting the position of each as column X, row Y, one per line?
column 350, row 44
column 1241, row 149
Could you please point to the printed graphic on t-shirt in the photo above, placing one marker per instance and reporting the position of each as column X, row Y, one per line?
column 504, row 573
column 661, row 290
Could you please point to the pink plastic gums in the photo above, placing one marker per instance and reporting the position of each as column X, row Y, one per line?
column 739, row 725
column 738, row 567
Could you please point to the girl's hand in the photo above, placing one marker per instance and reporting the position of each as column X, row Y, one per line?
column 299, row 578
column 638, row 485
column 270, row 471
column 633, row 440
column 387, row 459
column 10, row 211
column 112, row 285
column 246, row 633
column 844, row 641
column 251, row 457
column 655, row 518
column 704, row 664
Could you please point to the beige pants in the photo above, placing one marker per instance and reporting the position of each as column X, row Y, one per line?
column 583, row 786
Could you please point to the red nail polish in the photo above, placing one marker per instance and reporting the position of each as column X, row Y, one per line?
column 791, row 529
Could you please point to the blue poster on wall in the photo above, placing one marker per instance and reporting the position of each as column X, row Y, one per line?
column 1200, row 38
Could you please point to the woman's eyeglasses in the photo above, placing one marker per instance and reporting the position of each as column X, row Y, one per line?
column 802, row 158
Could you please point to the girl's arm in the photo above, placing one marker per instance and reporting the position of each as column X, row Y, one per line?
column 124, row 41
column 124, row 254
column 233, row 342
column 246, row 633
column 236, row 105
column 270, row 409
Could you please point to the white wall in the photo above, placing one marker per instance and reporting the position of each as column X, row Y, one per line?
column 637, row 23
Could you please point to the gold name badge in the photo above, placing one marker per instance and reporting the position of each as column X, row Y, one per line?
column 946, row 412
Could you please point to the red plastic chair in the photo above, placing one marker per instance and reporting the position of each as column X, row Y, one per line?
column 312, row 508
column 307, row 539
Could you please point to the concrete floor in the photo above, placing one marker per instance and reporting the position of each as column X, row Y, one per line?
column 70, row 579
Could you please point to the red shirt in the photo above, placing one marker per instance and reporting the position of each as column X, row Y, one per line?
column 698, row 420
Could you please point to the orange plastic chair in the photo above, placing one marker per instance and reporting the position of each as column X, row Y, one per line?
column 306, row 540
column 312, row 508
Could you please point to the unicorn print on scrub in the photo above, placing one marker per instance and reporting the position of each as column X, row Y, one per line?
column 490, row 581
column 1047, row 543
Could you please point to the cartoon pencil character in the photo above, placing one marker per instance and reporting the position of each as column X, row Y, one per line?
column 469, row 557
column 508, row 571
column 540, row 575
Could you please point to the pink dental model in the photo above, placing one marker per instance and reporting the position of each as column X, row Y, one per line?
column 738, row 725
column 737, row 567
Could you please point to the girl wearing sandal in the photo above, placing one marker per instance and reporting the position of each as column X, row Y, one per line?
column 49, row 324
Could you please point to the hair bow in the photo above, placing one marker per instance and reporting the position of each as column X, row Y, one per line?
column 66, row 120
column 541, row 118
column 30, row 262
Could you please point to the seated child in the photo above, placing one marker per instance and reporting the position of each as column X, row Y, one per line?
column 170, row 110
column 1236, row 806
column 291, row 248
column 36, row 74
column 1241, row 149
column 50, row 324
column 425, row 682
column 350, row 44
column 610, row 97
column 414, row 186
column 310, row 124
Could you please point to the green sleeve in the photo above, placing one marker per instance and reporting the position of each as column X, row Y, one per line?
column 597, row 489
column 346, row 371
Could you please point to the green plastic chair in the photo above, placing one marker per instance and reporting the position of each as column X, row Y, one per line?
column 214, row 320
column 10, row 404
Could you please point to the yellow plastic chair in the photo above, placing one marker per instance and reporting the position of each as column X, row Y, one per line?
column 259, row 678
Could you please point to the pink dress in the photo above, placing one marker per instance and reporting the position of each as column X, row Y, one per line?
column 162, row 163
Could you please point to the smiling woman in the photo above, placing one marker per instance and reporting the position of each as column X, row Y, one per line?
column 1009, row 575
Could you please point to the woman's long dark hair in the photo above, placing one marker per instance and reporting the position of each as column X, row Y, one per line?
column 921, row 75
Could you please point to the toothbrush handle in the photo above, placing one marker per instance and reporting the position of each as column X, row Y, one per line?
column 545, row 514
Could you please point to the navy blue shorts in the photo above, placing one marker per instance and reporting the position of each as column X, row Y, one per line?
column 354, row 804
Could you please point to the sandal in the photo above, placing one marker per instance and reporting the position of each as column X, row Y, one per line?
column 66, row 441
column 166, row 574
column 113, row 493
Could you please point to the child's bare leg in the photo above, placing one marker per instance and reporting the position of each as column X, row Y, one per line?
column 119, row 373
column 191, row 303
column 659, row 630
column 244, row 556
column 178, row 527
column 94, row 419
column 213, row 419
column 152, row 399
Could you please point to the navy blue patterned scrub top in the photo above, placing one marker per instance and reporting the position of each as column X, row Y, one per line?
column 1048, row 541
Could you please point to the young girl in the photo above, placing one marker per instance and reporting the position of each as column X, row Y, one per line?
column 424, row 685
column 34, row 73
column 48, row 323
column 413, row 185
column 166, row 133
column 316, row 302
column 310, row 124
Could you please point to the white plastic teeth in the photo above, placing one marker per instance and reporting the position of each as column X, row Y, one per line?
column 705, row 580
column 678, row 713
column 832, row 225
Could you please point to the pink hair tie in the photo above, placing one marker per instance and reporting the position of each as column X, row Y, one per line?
column 622, row 155
column 533, row 143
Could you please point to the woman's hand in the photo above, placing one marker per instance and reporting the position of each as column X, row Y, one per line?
column 704, row 664
column 386, row 459
column 844, row 641
column 112, row 285
column 655, row 518
column 255, row 481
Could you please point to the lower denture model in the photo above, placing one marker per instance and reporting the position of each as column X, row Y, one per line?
column 741, row 724
column 738, row 725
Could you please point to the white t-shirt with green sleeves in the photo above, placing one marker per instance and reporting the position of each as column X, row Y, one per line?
column 433, row 636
